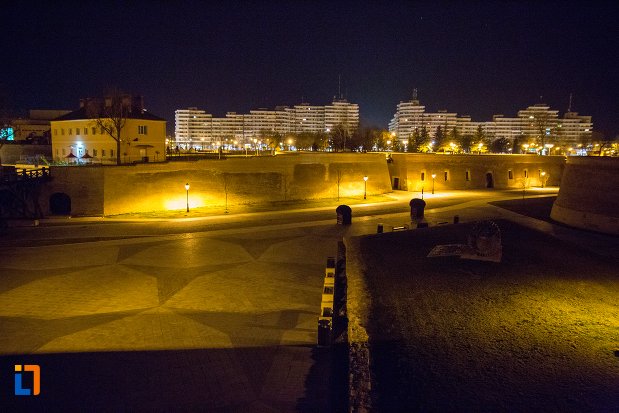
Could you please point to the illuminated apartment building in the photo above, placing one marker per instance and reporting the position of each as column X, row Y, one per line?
column 537, row 123
column 197, row 129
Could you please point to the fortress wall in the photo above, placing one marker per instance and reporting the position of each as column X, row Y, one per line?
column 589, row 196
column 84, row 185
column 109, row 190
column 408, row 168
column 96, row 190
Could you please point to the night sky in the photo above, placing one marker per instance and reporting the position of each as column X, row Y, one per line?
column 476, row 58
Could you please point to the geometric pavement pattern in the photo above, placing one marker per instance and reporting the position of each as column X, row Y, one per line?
column 254, row 289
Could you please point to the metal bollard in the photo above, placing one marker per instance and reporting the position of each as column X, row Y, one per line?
column 379, row 229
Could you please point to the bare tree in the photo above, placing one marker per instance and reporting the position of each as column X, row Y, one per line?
column 225, row 178
column 110, row 116
column 338, row 179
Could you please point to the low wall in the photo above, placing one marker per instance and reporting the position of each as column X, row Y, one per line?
column 588, row 197
column 12, row 153
column 97, row 190
column 413, row 172
column 83, row 185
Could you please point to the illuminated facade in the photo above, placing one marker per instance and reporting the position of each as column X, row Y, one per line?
column 197, row 129
column 342, row 113
column 537, row 123
column 411, row 116
column 193, row 125
column 143, row 136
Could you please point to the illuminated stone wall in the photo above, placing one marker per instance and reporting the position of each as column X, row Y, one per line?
column 255, row 180
column 153, row 187
column 408, row 169
column 588, row 197
column 84, row 185
column 110, row 190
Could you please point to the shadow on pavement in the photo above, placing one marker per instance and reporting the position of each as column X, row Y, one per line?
column 213, row 380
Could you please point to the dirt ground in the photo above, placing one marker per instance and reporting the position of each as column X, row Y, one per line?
column 537, row 332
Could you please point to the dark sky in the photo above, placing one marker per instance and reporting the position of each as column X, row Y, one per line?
column 477, row 58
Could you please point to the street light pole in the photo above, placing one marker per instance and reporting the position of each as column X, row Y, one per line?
column 365, row 187
column 187, row 189
column 433, row 176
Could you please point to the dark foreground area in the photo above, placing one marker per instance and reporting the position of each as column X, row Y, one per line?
column 538, row 208
column 535, row 332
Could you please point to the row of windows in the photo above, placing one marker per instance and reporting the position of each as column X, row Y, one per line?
column 142, row 130
column 445, row 176
column 467, row 175
column 81, row 152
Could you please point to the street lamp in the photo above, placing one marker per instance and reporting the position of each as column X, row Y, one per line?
column 433, row 176
column 365, row 187
column 187, row 189
column 526, row 148
column 549, row 147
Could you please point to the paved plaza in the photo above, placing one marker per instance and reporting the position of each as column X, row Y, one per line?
column 220, row 320
column 231, row 313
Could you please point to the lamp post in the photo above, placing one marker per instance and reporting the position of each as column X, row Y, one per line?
column 187, row 190
column 365, row 187
column 549, row 147
column 433, row 176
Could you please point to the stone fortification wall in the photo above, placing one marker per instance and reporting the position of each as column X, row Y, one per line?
column 12, row 153
column 148, row 187
column 589, row 196
column 414, row 171
column 83, row 185
column 100, row 190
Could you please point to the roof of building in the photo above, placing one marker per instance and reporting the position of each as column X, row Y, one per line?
column 81, row 113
